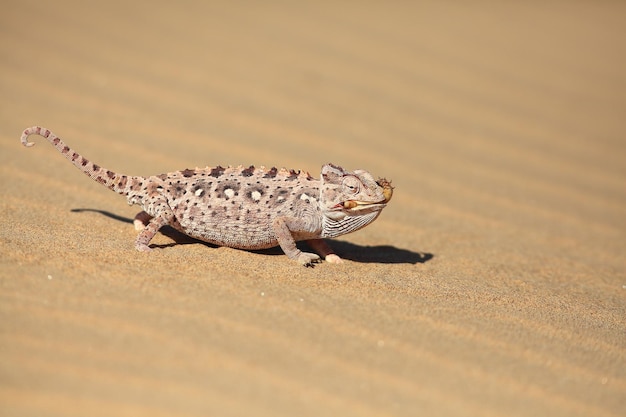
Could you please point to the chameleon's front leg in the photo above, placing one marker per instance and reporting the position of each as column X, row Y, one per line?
column 283, row 226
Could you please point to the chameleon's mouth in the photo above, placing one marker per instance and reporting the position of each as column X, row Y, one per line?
column 359, row 205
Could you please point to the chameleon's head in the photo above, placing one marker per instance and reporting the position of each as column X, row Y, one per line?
column 351, row 200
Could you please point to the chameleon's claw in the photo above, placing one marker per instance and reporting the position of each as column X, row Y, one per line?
column 308, row 259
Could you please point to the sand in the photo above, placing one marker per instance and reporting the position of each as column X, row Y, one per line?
column 493, row 284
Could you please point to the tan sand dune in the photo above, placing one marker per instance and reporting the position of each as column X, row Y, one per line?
column 493, row 284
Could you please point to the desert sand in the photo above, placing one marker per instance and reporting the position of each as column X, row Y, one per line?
column 493, row 284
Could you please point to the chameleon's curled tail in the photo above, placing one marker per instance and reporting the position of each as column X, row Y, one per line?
column 110, row 179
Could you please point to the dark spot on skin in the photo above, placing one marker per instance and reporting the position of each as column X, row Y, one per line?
column 111, row 174
column 188, row 173
column 123, row 181
column 271, row 173
column 281, row 193
column 248, row 172
column 218, row 171
column 96, row 167
column 65, row 149
column 84, row 162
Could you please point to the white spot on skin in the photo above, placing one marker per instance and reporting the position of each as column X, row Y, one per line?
column 230, row 193
column 256, row 196
column 306, row 197
column 199, row 192
column 281, row 198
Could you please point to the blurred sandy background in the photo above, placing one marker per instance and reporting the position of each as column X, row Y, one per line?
column 493, row 284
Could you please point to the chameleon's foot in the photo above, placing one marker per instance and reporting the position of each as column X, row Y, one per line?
column 308, row 259
column 141, row 220
column 143, row 248
column 139, row 226
column 333, row 259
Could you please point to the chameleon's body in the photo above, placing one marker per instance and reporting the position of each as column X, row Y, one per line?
column 246, row 208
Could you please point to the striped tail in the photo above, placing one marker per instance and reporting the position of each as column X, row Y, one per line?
column 110, row 179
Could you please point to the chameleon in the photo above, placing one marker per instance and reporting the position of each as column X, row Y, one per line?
column 244, row 207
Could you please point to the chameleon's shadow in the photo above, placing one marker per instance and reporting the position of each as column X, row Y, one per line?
column 178, row 237
column 383, row 254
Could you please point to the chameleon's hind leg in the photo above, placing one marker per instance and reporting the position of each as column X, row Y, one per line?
column 164, row 216
column 320, row 246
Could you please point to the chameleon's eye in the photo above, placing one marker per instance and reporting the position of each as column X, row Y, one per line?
column 351, row 185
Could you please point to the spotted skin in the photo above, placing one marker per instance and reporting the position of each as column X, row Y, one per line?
column 244, row 207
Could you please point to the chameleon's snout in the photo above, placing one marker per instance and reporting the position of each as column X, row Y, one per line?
column 387, row 188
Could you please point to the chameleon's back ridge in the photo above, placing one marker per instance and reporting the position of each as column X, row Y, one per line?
column 244, row 207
